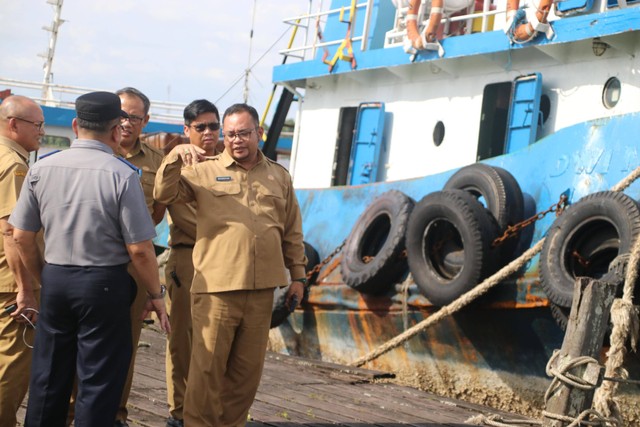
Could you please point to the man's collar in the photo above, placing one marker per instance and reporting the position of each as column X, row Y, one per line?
column 92, row 144
column 15, row 147
column 227, row 160
column 135, row 150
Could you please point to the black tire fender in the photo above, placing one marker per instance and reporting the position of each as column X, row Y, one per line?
column 372, row 260
column 584, row 240
column 501, row 194
column 449, row 239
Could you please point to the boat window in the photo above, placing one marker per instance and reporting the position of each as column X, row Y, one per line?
column 611, row 93
column 438, row 133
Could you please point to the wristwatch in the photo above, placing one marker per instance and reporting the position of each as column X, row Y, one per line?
column 163, row 292
column 303, row 281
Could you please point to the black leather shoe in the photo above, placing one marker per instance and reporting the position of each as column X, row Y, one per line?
column 172, row 422
column 119, row 423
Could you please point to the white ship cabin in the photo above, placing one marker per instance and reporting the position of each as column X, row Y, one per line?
column 371, row 112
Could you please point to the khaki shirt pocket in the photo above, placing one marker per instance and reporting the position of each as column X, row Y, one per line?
column 225, row 188
column 271, row 201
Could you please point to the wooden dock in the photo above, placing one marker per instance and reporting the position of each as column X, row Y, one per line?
column 297, row 391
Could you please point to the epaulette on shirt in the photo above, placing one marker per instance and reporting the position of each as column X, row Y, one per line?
column 128, row 163
column 48, row 154
column 276, row 163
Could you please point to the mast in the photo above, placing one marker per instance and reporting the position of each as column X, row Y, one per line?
column 247, row 71
column 47, row 93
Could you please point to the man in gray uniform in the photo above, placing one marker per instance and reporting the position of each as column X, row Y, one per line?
column 92, row 209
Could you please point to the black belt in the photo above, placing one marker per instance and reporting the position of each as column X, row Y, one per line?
column 182, row 245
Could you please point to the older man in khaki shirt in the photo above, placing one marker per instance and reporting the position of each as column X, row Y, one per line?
column 21, row 127
column 249, row 229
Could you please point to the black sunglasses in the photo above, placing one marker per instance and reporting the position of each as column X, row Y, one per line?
column 200, row 127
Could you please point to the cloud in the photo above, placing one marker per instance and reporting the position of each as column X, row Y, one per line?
column 180, row 50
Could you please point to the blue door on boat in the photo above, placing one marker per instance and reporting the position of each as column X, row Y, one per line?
column 367, row 147
column 524, row 112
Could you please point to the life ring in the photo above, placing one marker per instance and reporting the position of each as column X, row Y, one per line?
column 523, row 26
column 449, row 251
column 372, row 258
column 584, row 241
column 500, row 193
column 280, row 311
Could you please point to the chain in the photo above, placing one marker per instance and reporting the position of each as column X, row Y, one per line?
column 513, row 230
column 325, row 261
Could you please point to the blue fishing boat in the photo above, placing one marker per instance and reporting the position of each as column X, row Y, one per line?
column 424, row 165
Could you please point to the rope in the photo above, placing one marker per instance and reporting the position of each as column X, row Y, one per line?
column 625, row 319
column 447, row 310
column 498, row 421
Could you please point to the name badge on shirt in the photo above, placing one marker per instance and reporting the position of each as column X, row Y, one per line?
column 223, row 178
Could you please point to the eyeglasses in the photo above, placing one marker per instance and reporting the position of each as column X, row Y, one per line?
column 200, row 127
column 133, row 119
column 38, row 125
column 242, row 135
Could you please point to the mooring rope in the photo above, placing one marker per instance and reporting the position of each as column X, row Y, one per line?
column 504, row 273
column 625, row 319
column 447, row 310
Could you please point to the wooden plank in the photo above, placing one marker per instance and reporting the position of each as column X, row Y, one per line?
column 299, row 391
column 588, row 321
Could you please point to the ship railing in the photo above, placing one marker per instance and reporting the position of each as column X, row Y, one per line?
column 475, row 20
column 313, row 21
column 163, row 111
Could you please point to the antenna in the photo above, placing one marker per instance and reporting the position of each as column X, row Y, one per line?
column 245, row 92
column 47, row 92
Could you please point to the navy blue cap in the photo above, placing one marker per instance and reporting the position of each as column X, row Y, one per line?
column 99, row 107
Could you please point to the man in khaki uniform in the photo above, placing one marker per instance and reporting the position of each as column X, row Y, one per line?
column 21, row 127
column 202, row 127
column 249, row 231
column 148, row 160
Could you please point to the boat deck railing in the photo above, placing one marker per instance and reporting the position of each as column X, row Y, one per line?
column 480, row 16
column 312, row 23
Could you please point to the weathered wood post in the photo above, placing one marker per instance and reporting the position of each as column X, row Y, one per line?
column 588, row 321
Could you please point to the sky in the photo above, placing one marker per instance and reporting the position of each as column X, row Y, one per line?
column 172, row 50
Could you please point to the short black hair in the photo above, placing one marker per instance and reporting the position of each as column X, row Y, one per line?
column 135, row 92
column 99, row 127
column 243, row 108
column 197, row 107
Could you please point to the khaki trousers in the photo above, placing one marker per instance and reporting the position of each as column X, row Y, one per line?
column 15, row 361
column 178, row 355
column 230, row 334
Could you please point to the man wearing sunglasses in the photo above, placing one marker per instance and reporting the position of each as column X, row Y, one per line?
column 249, row 232
column 21, row 127
column 202, row 127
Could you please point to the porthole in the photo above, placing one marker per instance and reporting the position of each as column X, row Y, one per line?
column 611, row 92
column 438, row 133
